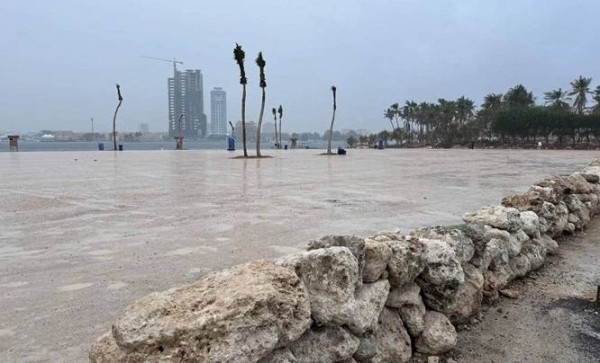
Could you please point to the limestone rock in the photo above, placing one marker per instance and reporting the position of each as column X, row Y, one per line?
column 516, row 241
column 468, row 298
column 391, row 339
column 490, row 287
column 579, row 184
column 366, row 350
column 575, row 206
column 550, row 244
column 453, row 235
column 330, row 276
column 591, row 178
column 530, row 222
column 536, row 253
column 531, row 200
column 324, row 345
column 406, row 262
column 553, row 218
column 441, row 265
column 106, row 350
column 377, row 256
column 283, row 355
column 356, row 245
column 520, row 266
column 370, row 300
column 236, row 315
column 496, row 216
column 407, row 299
column 439, row 335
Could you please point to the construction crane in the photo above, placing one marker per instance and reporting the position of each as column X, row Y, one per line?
column 174, row 61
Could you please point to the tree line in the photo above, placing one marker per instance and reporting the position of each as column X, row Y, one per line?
column 512, row 117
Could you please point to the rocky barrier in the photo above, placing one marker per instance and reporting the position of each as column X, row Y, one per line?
column 384, row 298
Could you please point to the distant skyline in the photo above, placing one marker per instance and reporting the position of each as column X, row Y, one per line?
column 62, row 59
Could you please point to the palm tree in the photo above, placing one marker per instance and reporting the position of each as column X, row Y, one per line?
column 239, row 56
column 464, row 109
column 114, row 133
column 518, row 96
column 492, row 102
column 557, row 100
column 390, row 114
column 333, row 90
column 260, row 62
column 581, row 87
column 596, row 109
column 274, row 110
column 280, row 112
column 396, row 111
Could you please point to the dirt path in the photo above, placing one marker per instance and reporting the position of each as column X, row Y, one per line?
column 555, row 318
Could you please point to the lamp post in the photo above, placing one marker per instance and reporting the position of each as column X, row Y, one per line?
column 93, row 138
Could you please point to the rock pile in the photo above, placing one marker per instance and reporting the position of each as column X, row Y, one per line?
column 349, row 299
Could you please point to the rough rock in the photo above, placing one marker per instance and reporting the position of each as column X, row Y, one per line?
column 579, row 184
column 519, row 266
column 454, row 236
column 553, row 218
column 391, row 339
column 511, row 294
column 106, row 350
column 516, row 241
column 330, row 276
column 377, row 256
column 495, row 248
column 406, row 262
column 283, row 355
column 468, row 298
column 590, row 178
column 530, row 222
column 531, row 200
column 496, row 216
column 442, row 276
column 407, row 299
column 433, row 359
column 370, row 300
column 324, row 345
column 236, row 315
column 439, row 335
column 550, row 244
column 490, row 287
column 356, row 245
column 575, row 206
column 536, row 253
column 366, row 350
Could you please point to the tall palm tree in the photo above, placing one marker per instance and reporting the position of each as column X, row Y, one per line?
column 396, row 111
column 518, row 96
column 557, row 100
column 334, row 91
column 492, row 102
column 390, row 114
column 464, row 109
column 581, row 88
column 239, row 56
column 260, row 62
column 280, row 112
column 596, row 109
column 114, row 133
column 274, row 110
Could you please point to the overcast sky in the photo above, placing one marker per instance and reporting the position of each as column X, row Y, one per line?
column 61, row 59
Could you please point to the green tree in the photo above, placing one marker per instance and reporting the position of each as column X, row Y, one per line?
column 239, row 56
column 396, row 111
column 596, row 109
column 334, row 91
column 518, row 96
column 351, row 142
column 389, row 114
column 557, row 100
column 260, row 62
column 492, row 101
column 580, row 89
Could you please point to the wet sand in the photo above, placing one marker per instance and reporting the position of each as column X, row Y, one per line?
column 82, row 234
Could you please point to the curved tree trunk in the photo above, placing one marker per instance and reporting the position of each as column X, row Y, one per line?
column 244, row 120
column 114, row 132
column 260, row 117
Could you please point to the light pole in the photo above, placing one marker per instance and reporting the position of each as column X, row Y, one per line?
column 93, row 138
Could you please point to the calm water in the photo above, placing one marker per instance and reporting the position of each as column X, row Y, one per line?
column 159, row 145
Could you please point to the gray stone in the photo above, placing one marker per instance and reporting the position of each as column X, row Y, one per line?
column 391, row 339
column 407, row 299
column 283, row 355
column 575, row 206
column 330, row 276
column 406, row 262
column 356, row 245
column 516, row 241
column 590, row 178
column 460, row 307
column 377, row 256
column 106, row 350
column 460, row 243
column 366, row 350
column 370, row 300
column 408, row 294
column 439, row 335
column 496, row 216
column 550, row 244
column 530, row 222
column 236, row 315
column 324, row 345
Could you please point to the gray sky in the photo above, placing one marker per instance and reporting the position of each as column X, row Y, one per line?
column 61, row 59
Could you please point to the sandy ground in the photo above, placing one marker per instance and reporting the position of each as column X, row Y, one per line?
column 82, row 234
column 555, row 319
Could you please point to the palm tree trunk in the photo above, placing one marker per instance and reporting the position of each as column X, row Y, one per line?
column 260, row 117
column 276, row 134
column 114, row 133
column 244, row 120
column 280, row 146
column 331, row 133
column 391, row 123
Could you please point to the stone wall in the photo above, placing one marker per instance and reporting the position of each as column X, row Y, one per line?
column 384, row 298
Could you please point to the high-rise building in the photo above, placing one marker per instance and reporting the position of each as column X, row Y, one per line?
column 144, row 128
column 218, row 111
column 186, row 97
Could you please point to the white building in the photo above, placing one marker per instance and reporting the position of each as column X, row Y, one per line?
column 218, row 111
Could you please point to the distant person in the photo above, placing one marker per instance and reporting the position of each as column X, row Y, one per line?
column 472, row 146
